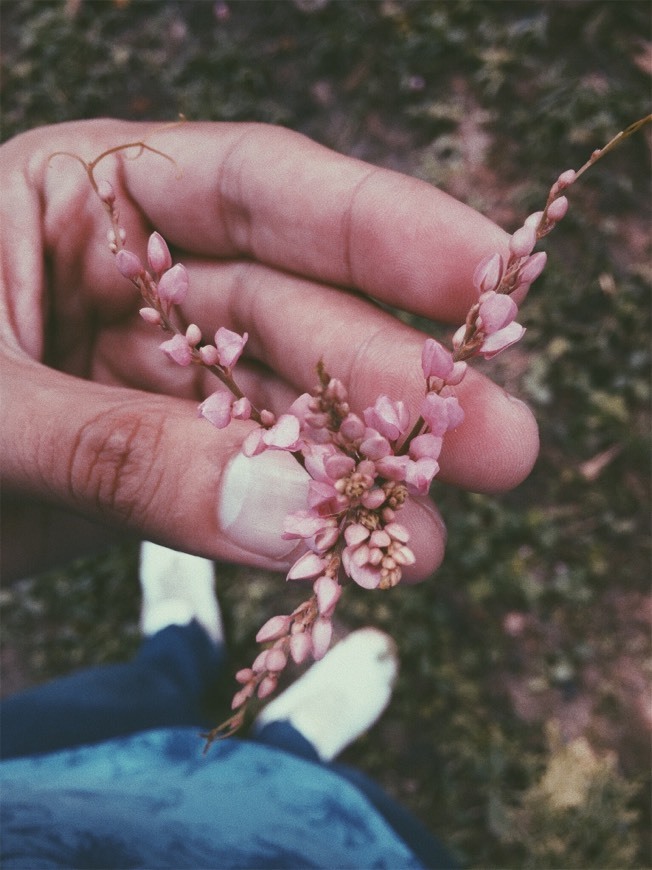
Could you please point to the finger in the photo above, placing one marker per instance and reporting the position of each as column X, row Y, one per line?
column 148, row 464
column 292, row 323
column 283, row 200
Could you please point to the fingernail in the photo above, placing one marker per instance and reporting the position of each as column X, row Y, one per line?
column 257, row 494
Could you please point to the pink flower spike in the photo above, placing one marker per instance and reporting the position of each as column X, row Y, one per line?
column 523, row 241
column 151, row 316
column 497, row 311
column 217, row 409
column 328, row 592
column 284, row 434
column 558, row 208
column 307, row 566
column 177, row 350
column 436, row 361
column 502, row 339
column 129, row 264
column 488, row 273
column 173, row 286
column 229, row 346
column 273, row 629
column 158, row 254
column 300, row 647
column 322, row 632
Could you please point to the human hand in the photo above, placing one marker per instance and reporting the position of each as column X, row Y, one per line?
column 281, row 238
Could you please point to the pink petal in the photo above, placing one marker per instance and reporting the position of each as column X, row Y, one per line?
column 523, row 241
column 129, row 264
column 241, row 409
column 217, row 409
column 352, row 427
column 436, row 361
column 366, row 576
column 273, row 629
column 373, row 498
column 488, row 273
column 322, row 632
column 328, row 592
column 338, row 466
column 398, row 532
column 426, row 445
column 393, row 467
column 158, row 254
column 308, row 565
column 389, row 417
column 374, row 445
column 284, row 434
column 355, row 534
column 229, row 346
column 276, row 660
column 173, row 285
column 253, row 443
column 302, row 524
column 502, row 339
column 496, row 312
column 267, row 685
column 420, row 475
column 300, row 647
column 177, row 350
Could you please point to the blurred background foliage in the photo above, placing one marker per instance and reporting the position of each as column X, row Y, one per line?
column 538, row 622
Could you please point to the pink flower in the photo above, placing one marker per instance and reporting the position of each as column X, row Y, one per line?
column 427, row 445
column 129, row 264
column 488, row 273
column 303, row 524
column 177, row 350
column 151, row 316
column 173, row 286
column 322, row 632
column 158, row 254
column 509, row 335
column 420, row 474
column 393, row 467
column 273, row 629
column 374, row 445
column 436, row 361
column 307, row 566
column 328, row 592
column 217, row 409
column 523, row 241
column 389, row 417
column 241, row 409
column 441, row 413
column 300, row 646
column 229, row 346
column 284, row 434
column 496, row 311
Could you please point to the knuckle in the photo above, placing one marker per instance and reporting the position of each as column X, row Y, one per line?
column 112, row 462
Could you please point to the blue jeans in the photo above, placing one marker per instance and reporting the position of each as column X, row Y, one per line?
column 164, row 686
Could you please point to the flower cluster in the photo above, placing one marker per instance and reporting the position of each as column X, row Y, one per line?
column 362, row 467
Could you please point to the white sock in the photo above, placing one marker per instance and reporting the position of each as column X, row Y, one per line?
column 342, row 695
column 177, row 588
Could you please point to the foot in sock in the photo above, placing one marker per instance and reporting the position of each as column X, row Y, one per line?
column 176, row 589
column 340, row 696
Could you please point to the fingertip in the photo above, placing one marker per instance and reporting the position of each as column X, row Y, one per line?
column 427, row 538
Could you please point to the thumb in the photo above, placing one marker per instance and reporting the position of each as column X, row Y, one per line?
column 146, row 463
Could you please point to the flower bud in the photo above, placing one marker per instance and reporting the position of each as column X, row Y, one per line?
column 557, row 208
column 158, row 254
column 436, row 361
column 106, row 192
column 523, row 241
column 488, row 273
column 193, row 335
column 173, row 285
column 151, row 316
column 209, row 355
column 273, row 629
column 129, row 264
